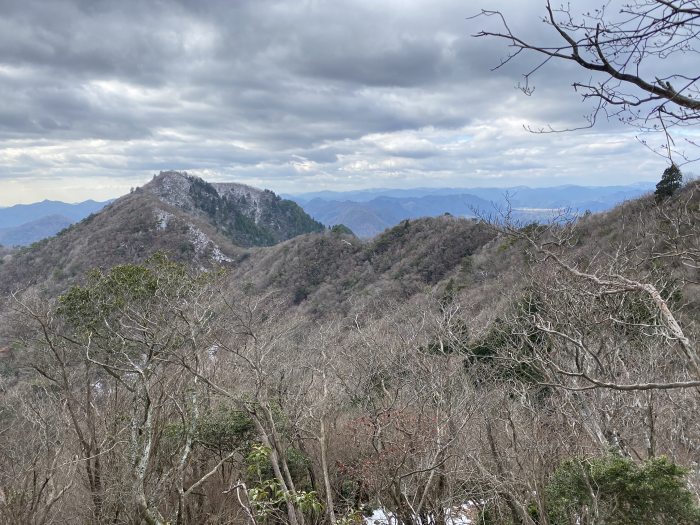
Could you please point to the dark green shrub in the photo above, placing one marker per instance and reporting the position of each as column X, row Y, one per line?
column 341, row 229
column 614, row 490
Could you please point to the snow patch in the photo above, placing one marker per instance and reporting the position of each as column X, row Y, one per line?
column 253, row 196
column 462, row 515
column 218, row 255
column 163, row 218
column 199, row 239
column 201, row 242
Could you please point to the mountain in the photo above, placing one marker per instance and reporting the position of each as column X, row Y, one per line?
column 21, row 214
column 247, row 215
column 579, row 198
column 234, row 225
column 34, row 231
column 365, row 212
column 367, row 219
column 368, row 212
column 327, row 273
column 570, row 192
column 209, row 223
column 185, row 216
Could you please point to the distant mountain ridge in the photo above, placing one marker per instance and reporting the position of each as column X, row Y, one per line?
column 20, row 214
column 369, row 212
column 24, row 224
column 236, row 209
column 34, row 231
column 367, row 219
column 485, row 192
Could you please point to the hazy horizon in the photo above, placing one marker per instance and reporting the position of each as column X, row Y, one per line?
column 367, row 189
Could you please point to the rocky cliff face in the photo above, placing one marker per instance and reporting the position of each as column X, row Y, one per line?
column 247, row 216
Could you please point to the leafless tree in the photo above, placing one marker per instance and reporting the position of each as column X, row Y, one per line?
column 39, row 467
column 641, row 55
column 110, row 353
column 614, row 318
column 412, row 404
column 254, row 367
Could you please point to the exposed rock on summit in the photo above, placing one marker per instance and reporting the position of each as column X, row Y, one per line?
column 247, row 216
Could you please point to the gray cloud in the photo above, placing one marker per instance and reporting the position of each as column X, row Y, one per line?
column 289, row 95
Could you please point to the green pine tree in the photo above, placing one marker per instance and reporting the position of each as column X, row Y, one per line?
column 670, row 181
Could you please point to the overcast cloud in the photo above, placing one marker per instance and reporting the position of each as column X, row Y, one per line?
column 294, row 95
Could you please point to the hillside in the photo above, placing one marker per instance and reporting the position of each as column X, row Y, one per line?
column 181, row 215
column 324, row 273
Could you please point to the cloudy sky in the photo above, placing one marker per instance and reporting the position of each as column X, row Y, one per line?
column 291, row 95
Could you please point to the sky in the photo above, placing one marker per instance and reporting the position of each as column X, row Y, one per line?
column 293, row 95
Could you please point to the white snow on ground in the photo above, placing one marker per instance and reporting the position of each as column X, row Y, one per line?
column 173, row 188
column 163, row 219
column 201, row 242
column 199, row 239
column 455, row 516
column 218, row 255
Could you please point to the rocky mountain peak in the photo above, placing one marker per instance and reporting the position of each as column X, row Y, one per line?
column 246, row 215
column 178, row 188
column 172, row 187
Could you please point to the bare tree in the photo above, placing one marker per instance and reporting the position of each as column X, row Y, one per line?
column 412, row 402
column 111, row 352
column 38, row 466
column 614, row 318
column 255, row 366
column 629, row 47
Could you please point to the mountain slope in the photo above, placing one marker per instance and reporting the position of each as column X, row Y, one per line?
column 34, row 231
column 128, row 230
column 484, row 269
column 176, row 213
column 327, row 273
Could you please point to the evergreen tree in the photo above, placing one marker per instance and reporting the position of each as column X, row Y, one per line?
column 670, row 181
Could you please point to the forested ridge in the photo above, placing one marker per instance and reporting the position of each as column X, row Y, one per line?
column 498, row 372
